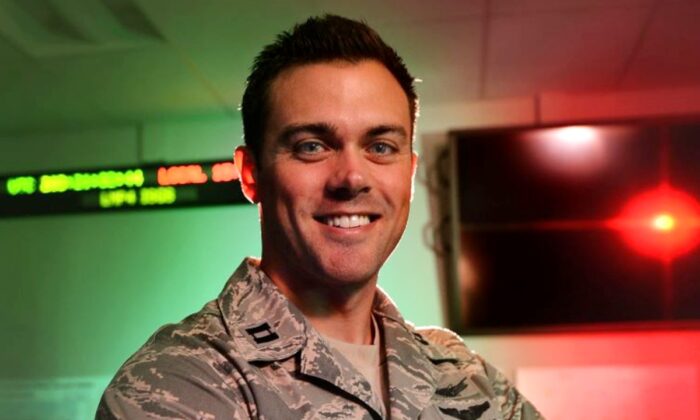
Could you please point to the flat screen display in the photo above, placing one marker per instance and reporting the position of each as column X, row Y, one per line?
column 577, row 227
column 139, row 187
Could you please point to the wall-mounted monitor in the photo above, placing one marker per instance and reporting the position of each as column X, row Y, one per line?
column 575, row 227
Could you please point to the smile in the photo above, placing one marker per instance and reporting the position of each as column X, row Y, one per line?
column 346, row 221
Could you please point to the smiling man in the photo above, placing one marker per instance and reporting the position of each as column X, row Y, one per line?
column 304, row 332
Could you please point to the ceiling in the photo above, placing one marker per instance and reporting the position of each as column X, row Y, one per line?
column 72, row 63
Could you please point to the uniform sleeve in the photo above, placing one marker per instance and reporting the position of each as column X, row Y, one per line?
column 513, row 405
column 185, row 388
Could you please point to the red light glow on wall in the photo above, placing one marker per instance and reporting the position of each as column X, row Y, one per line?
column 662, row 223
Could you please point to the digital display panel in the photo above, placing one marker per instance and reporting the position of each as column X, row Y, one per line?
column 577, row 227
column 154, row 186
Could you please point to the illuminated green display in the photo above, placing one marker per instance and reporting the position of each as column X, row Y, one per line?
column 80, row 181
column 153, row 196
column 103, row 180
column 157, row 196
column 149, row 186
column 21, row 185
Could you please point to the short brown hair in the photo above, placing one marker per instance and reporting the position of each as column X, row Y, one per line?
column 319, row 39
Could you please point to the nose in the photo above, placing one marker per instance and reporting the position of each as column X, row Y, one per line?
column 349, row 178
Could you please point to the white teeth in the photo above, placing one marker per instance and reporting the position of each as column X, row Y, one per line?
column 347, row 222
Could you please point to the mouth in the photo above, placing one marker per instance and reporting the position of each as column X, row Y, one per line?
column 347, row 221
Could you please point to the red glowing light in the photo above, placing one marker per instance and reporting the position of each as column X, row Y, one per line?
column 181, row 175
column 224, row 172
column 662, row 223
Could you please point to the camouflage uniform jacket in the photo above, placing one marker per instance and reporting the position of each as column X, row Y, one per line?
column 252, row 354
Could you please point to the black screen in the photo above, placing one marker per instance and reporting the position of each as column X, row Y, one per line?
column 578, row 226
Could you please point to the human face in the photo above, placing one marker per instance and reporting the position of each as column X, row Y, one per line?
column 336, row 172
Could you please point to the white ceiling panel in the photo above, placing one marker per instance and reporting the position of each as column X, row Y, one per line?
column 669, row 53
column 412, row 28
column 575, row 51
column 44, row 29
column 445, row 56
column 538, row 6
column 403, row 11
column 463, row 50
column 99, row 89
column 218, row 40
column 11, row 64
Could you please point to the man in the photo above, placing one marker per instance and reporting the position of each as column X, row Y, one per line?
column 304, row 332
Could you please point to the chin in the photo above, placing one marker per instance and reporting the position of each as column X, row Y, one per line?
column 349, row 273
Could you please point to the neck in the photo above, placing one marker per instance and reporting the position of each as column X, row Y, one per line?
column 341, row 312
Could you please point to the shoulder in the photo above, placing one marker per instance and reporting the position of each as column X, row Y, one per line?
column 184, row 370
column 446, row 343
column 443, row 337
column 199, row 339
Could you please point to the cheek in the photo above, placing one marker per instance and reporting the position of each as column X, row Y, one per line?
column 397, row 188
column 297, row 189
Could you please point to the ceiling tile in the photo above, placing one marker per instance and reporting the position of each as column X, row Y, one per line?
column 539, row 6
column 222, row 43
column 575, row 51
column 393, row 11
column 670, row 52
column 13, row 61
column 532, row 46
column 218, row 40
column 445, row 56
column 111, row 87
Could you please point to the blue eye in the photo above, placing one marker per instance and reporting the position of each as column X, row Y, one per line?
column 309, row 147
column 381, row 148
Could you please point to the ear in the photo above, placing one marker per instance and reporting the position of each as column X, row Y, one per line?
column 247, row 172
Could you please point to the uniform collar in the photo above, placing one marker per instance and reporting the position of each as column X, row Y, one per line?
column 412, row 361
column 384, row 307
column 264, row 325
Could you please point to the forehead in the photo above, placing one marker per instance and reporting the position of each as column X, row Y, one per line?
column 337, row 92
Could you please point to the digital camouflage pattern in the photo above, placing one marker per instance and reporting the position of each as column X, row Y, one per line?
column 251, row 354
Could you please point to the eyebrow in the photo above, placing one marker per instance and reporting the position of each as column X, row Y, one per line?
column 388, row 129
column 317, row 129
column 323, row 129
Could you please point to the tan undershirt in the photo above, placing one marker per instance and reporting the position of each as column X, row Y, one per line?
column 367, row 359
